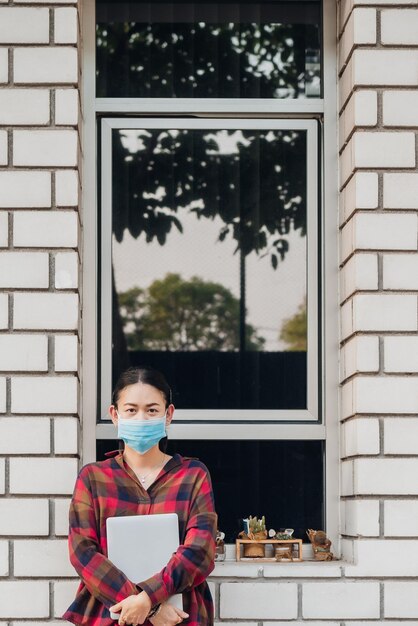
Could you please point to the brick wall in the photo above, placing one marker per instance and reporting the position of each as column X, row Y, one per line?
column 40, row 233
column 40, row 240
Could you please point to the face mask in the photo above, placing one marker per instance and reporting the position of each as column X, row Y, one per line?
column 141, row 435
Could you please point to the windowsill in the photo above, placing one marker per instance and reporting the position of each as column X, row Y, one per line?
column 301, row 569
column 308, row 568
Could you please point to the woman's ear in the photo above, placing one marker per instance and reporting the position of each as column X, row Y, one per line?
column 169, row 414
column 113, row 414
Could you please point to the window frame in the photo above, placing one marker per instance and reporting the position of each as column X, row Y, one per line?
column 108, row 125
column 325, row 110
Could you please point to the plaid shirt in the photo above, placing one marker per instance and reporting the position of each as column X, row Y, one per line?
column 108, row 488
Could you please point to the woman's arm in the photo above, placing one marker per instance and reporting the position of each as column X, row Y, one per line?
column 104, row 581
column 193, row 561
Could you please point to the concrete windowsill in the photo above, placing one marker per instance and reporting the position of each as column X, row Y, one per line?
column 304, row 569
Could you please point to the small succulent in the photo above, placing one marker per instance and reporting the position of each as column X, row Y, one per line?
column 257, row 525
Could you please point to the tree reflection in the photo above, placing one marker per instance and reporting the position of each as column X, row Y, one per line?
column 206, row 60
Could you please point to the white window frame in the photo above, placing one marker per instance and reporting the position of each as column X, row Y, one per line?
column 323, row 109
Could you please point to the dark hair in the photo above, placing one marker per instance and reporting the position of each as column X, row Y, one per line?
column 145, row 375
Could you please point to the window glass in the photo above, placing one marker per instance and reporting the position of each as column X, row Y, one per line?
column 282, row 480
column 209, row 263
column 208, row 50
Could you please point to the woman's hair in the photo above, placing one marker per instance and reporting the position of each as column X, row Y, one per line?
column 146, row 376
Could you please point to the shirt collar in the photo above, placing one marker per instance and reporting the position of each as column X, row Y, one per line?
column 176, row 460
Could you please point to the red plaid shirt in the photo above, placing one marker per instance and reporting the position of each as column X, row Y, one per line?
column 108, row 488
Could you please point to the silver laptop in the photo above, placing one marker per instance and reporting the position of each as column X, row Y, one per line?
column 141, row 545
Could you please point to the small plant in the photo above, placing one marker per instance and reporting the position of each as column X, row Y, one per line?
column 257, row 525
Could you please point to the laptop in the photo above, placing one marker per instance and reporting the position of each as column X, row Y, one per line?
column 141, row 545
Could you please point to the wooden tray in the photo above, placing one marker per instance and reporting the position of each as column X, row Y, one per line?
column 285, row 542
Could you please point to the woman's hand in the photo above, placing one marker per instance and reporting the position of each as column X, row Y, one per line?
column 133, row 609
column 168, row 615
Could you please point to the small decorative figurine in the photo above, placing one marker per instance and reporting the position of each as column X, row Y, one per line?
column 321, row 545
column 220, row 546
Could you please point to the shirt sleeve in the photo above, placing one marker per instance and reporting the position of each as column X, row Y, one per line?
column 193, row 561
column 103, row 579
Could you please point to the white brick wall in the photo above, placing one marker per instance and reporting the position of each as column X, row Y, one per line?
column 39, row 304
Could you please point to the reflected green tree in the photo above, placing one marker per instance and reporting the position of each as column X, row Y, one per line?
column 294, row 330
column 186, row 315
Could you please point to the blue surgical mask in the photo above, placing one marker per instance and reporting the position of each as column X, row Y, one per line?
column 141, row 435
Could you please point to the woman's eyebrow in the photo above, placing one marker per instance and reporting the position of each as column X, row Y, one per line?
column 129, row 404
column 152, row 404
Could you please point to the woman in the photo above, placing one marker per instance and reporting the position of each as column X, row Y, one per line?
column 141, row 480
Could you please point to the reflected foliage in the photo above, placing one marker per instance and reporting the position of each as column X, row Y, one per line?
column 207, row 60
column 188, row 315
column 255, row 181
column 294, row 330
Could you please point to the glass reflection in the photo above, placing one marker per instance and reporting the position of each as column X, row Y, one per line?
column 220, row 50
column 209, row 262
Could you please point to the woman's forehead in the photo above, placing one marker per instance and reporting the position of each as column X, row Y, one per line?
column 140, row 393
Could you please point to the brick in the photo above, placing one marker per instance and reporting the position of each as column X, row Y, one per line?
column 360, row 436
column 361, row 110
column 35, row 594
column 4, row 65
column 24, row 270
column 4, row 558
column 400, row 191
column 401, row 518
column 400, row 108
column 4, row 229
column 66, row 25
column 336, row 600
column 2, row 395
column 24, row 435
column 25, row 189
column 255, row 601
column 385, row 231
column 23, row 353
column 401, row 354
column 360, row 29
column 64, row 594
column 43, row 557
column 401, row 599
column 3, row 147
column 49, row 65
column 361, row 518
column 18, row 25
column 66, row 188
column 385, row 67
column 24, row 516
column 66, row 435
column 380, row 312
column 347, row 478
column 378, row 149
column 44, row 394
column 400, row 271
column 385, row 395
column 307, row 569
column 49, row 229
column 399, row 27
column 66, row 105
column 66, row 353
column 24, row 106
column 66, row 270
column 360, row 273
column 4, row 310
column 39, row 311
column 384, row 557
column 401, row 436
column 360, row 354
column 42, row 476
column 361, row 192
column 61, row 516
column 45, row 147
column 385, row 477
column 2, row 476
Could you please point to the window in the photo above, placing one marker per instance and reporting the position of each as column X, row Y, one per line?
column 210, row 209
